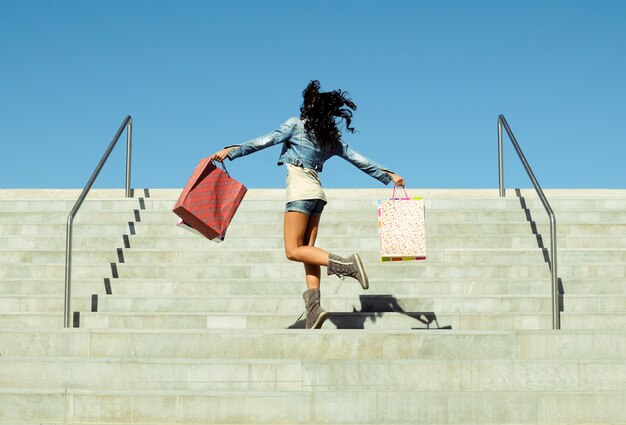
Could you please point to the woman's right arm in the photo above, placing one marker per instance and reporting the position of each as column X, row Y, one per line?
column 221, row 155
column 280, row 135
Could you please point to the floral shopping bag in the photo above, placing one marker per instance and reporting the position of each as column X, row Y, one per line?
column 401, row 228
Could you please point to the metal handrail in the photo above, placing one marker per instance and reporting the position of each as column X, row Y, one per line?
column 128, row 124
column 556, row 312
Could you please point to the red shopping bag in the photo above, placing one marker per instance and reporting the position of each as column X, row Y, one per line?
column 209, row 200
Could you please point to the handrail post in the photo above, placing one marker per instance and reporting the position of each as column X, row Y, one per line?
column 68, row 272
column 129, row 146
column 128, row 125
column 556, row 305
column 500, row 159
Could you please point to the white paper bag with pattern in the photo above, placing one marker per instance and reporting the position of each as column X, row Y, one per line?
column 401, row 228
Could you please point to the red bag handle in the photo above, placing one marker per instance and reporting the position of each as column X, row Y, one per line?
column 223, row 166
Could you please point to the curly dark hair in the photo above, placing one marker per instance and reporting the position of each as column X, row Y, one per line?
column 323, row 111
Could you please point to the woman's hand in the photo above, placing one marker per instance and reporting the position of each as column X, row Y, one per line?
column 397, row 180
column 220, row 156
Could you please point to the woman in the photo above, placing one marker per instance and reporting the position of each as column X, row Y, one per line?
column 307, row 142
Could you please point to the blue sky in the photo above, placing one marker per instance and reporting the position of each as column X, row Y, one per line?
column 429, row 79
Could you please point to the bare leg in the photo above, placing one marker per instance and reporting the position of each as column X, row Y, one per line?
column 300, row 235
column 313, row 271
column 296, row 225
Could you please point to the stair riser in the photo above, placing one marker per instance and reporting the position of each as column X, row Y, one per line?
column 275, row 216
column 356, row 229
column 434, row 255
column 55, row 287
column 385, row 321
column 295, row 305
column 376, row 272
column 336, row 200
column 54, row 271
column 59, row 230
column 319, row 345
column 11, row 243
column 370, row 229
column 255, row 216
column 464, row 321
column 345, row 243
column 83, row 218
column 42, row 305
column 197, row 243
column 419, row 288
column 443, row 376
column 316, row 408
column 294, row 271
column 136, row 287
column 217, row 256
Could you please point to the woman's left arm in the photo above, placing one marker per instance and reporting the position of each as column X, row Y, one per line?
column 280, row 135
column 397, row 179
column 368, row 166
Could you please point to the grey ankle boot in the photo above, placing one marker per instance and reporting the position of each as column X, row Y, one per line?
column 351, row 267
column 315, row 315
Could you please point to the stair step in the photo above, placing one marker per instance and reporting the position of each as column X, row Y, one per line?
column 198, row 332
column 309, row 407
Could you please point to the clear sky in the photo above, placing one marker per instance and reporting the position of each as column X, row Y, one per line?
column 429, row 79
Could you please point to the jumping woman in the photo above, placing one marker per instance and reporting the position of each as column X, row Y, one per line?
column 307, row 142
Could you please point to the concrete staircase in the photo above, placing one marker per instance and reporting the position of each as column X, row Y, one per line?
column 176, row 329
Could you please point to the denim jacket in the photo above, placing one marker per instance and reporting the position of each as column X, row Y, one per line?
column 298, row 149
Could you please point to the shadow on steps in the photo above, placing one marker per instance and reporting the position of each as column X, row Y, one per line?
column 541, row 245
column 373, row 308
